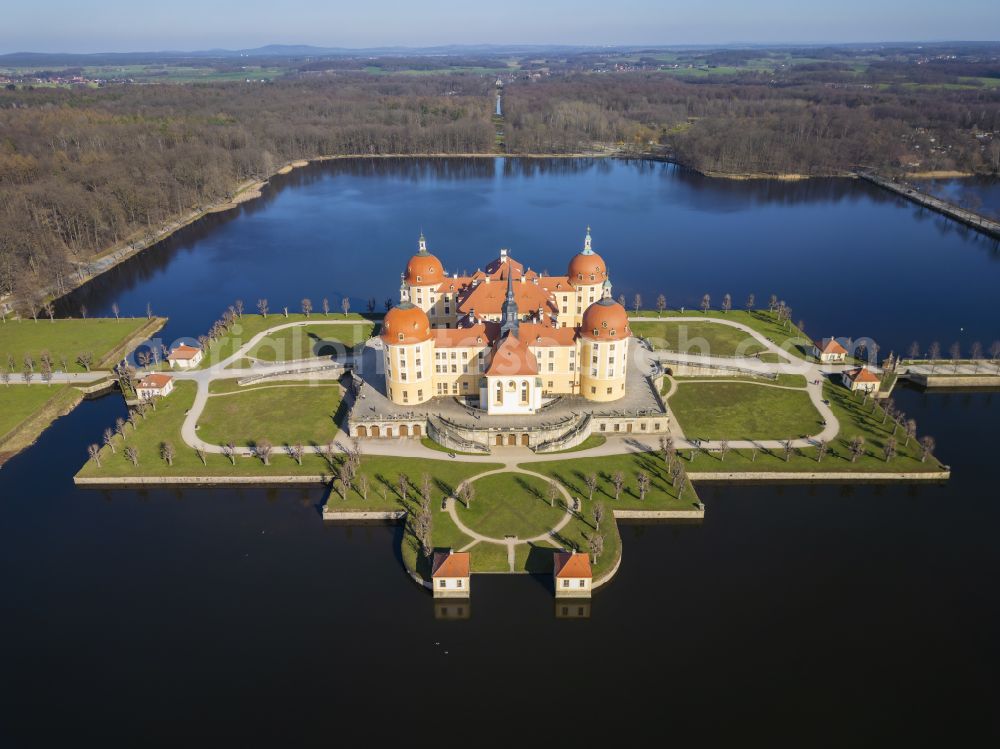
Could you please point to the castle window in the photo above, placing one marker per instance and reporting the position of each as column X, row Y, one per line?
column 400, row 336
column 596, row 333
column 419, row 279
column 524, row 392
column 420, row 395
column 499, row 393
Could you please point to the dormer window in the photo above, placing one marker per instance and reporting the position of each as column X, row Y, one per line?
column 596, row 331
column 604, row 324
column 400, row 336
column 419, row 279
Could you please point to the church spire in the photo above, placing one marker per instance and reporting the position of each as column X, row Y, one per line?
column 587, row 249
column 422, row 243
column 509, row 322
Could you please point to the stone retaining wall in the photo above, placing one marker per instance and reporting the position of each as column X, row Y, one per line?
column 818, row 476
column 265, row 481
column 393, row 515
column 955, row 381
column 658, row 514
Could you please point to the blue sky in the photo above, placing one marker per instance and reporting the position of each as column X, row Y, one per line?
column 120, row 25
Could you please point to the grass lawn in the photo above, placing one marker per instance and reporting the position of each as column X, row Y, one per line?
column 104, row 338
column 787, row 380
column 511, row 504
column 164, row 424
column 698, row 337
column 572, row 472
column 251, row 324
column 855, row 420
column 320, row 340
column 26, row 410
column 594, row 440
column 283, row 413
column 743, row 411
column 785, row 335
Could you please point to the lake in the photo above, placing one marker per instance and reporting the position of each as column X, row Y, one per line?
column 848, row 614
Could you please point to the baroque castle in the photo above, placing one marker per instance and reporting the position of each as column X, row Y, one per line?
column 505, row 339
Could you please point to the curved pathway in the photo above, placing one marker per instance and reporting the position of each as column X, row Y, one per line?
column 814, row 373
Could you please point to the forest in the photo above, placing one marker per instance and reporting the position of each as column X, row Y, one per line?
column 86, row 169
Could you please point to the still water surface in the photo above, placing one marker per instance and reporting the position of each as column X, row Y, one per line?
column 837, row 615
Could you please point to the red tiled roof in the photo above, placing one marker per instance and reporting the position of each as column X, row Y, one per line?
column 488, row 298
column 830, row 346
column 512, row 357
column 862, row 374
column 155, row 381
column 571, row 564
column 542, row 334
column 184, row 352
column 450, row 564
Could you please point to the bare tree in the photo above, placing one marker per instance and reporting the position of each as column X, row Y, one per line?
column 262, row 307
column 934, row 353
column 591, row 481
column 596, row 546
column 85, row 360
column 637, row 302
column 95, row 454
column 621, row 299
column 326, row 307
column 598, row 515
column 467, row 493
column 50, row 310
column 995, row 351
column 706, row 303
column 5, row 377
column 786, row 446
column 167, row 452
column 618, row 480
column 751, row 301
column 914, row 350
column 723, row 449
column 889, row 449
column 371, row 304
column 149, row 311
column 120, row 427
column 307, row 307
column 115, row 310
column 553, row 493
column 857, row 448
column 296, row 451
column 976, row 353
column 955, row 352
column 238, row 308
column 727, row 303
column 345, row 305
column 229, row 450
column 403, row 482
column 263, row 448
column 821, row 449
column 643, row 483
column 132, row 455
column 911, row 431
column 83, row 311
column 27, row 374
column 388, row 303
column 363, row 486
column 661, row 304
column 926, row 447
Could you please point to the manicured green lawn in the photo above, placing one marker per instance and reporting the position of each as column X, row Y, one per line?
column 511, row 504
column 68, row 339
column 251, row 324
column 855, row 420
column 662, row 495
column 23, row 405
column 743, row 411
column 785, row 335
column 279, row 412
column 698, row 337
column 320, row 340
column 786, row 380
column 164, row 425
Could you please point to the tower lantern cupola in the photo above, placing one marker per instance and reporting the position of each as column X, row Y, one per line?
column 587, row 248
column 422, row 243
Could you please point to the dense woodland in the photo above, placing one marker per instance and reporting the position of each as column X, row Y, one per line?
column 82, row 170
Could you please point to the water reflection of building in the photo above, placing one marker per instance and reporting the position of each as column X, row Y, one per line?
column 456, row 609
column 578, row 609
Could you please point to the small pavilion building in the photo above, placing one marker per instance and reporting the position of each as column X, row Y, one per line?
column 450, row 574
column 185, row 357
column 829, row 351
column 861, row 378
column 154, row 386
column 572, row 574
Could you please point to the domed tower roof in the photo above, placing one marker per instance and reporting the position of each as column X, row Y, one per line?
column 587, row 267
column 424, row 269
column 406, row 323
column 605, row 320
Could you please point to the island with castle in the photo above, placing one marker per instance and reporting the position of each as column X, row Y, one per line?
column 509, row 419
